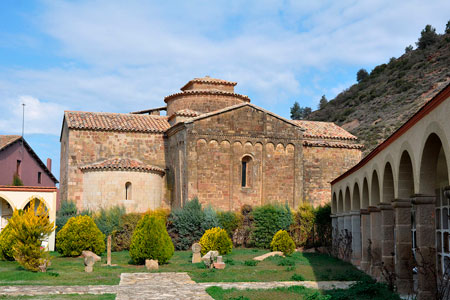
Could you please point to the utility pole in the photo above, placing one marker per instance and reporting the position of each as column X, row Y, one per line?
column 23, row 128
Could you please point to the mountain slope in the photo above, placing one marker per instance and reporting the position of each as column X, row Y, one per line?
column 376, row 106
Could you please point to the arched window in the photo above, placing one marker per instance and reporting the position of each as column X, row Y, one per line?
column 128, row 191
column 245, row 167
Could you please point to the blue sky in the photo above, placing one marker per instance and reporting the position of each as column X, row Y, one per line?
column 110, row 56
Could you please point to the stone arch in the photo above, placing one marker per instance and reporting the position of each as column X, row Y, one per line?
column 388, row 184
column 375, row 189
column 365, row 194
column 334, row 204
column 356, row 201
column 340, row 202
column 213, row 143
column 237, row 146
column 201, row 143
column 7, row 200
column 270, row 147
column 433, row 166
column 290, row 148
column 405, row 176
column 348, row 200
column 258, row 146
column 225, row 144
column 40, row 199
column 248, row 147
column 280, row 147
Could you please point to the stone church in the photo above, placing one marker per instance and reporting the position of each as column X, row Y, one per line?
column 212, row 143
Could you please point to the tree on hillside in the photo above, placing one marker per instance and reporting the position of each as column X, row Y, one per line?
column 447, row 27
column 298, row 112
column 323, row 101
column 362, row 75
column 428, row 37
column 409, row 49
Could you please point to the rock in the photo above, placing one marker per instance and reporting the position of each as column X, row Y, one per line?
column 151, row 264
column 89, row 262
column 87, row 253
column 219, row 259
column 310, row 250
column 210, row 257
column 196, row 255
column 270, row 254
column 219, row 265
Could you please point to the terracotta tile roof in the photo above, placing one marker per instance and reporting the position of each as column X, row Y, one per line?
column 331, row 145
column 209, row 80
column 122, row 164
column 325, row 130
column 6, row 140
column 207, row 92
column 116, row 121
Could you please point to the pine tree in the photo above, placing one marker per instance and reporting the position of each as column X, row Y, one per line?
column 428, row 37
column 362, row 75
column 409, row 49
column 447, row 28
column 296, row 111
column 323, row 101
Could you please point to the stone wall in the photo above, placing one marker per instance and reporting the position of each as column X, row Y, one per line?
column 216, row 146
column 83, row 147
column 203, row 103
column 107, row 189
column 322, row 165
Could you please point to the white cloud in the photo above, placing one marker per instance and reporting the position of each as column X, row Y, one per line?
column 40, row 116
column 128, row 57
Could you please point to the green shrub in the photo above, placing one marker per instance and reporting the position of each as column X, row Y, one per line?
column 282, row 242
column 68, row 210
column 186, row 225
column 29, row 228
column 151, row 241
column 268, row 219
column 297, row 277
column 250, row 263
column 216, row 239
column 121, row 239
column 302, row 229
column 210, row 218
column 16, row 180
column 6, row 244
column 229, row 221
column 323, row 225
column 108, row 220
column 80, row 233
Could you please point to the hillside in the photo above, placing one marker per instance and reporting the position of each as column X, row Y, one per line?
column 376, row 106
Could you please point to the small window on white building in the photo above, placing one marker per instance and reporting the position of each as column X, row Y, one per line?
column 128, row 191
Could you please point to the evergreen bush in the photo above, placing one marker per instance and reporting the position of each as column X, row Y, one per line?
column 186, row 225
column 121, row 239
column 151, row 241
column 268, row 219
column 302, row 229
column 282, row 242
column 16, row 180
column 210, row 218
column 108, row 219
column 29, row 228
column 67, row 210
column 229, row 221
column 323, row 225
column 80, row 233
column 7, row 242
column 216, row 239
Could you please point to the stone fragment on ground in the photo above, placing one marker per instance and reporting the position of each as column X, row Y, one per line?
column 270, row 254
column 89, row 262
column 151, row 264
column 210, row 257
column 87, row 253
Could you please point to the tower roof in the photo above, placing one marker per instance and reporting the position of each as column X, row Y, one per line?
column 207, row 81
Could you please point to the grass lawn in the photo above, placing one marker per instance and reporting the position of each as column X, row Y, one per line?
column 62, row 297
column 70, row 271
column 367, row 290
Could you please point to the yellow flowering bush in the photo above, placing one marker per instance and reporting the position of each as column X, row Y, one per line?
column 282, row 242
column 80, row 233
column 216, row 239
